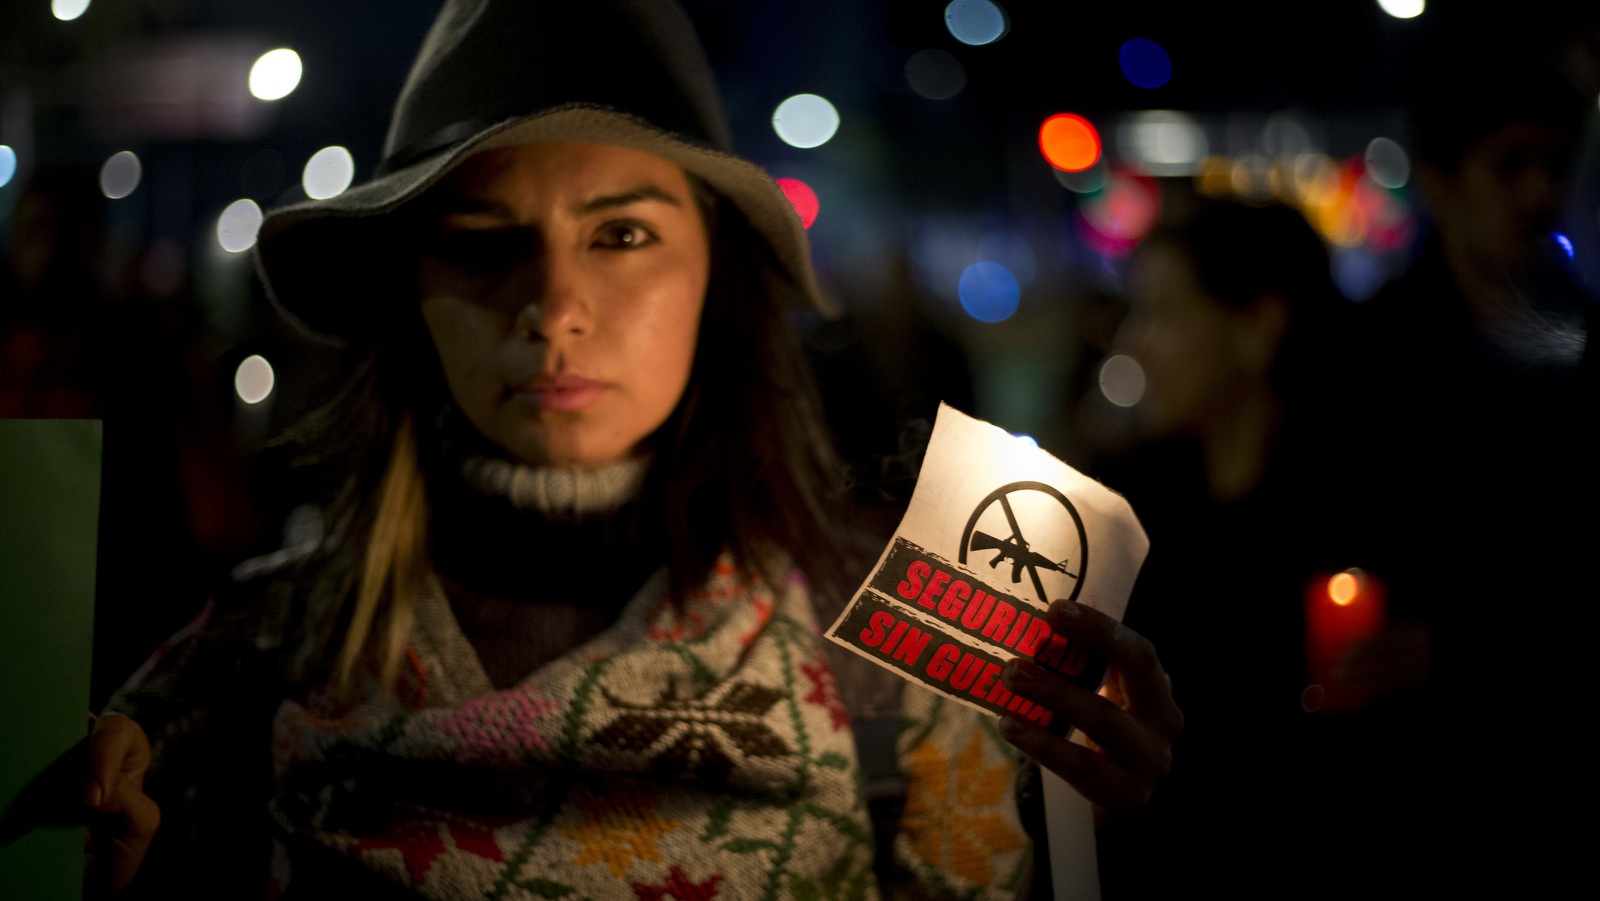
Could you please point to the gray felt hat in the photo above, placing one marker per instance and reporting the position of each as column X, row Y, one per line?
column 496, row 73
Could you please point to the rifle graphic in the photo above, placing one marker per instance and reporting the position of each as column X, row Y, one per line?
column 1016, row 550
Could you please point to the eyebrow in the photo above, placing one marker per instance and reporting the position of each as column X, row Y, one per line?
column 637, row 195
column 459, row 205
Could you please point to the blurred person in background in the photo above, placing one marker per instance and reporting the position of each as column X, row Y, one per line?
column 1477, row 390
column 81, row 339
column 1236, row 474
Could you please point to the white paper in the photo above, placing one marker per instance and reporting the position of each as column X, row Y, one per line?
column 996, row 529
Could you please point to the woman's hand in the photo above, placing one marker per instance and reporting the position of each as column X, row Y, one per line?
column 1130, row 724
column 122, row 819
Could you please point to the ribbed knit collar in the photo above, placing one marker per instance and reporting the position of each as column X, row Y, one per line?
column 557, row 492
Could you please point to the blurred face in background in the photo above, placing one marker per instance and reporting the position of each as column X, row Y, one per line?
column 562, row 285
column 1198, row 355
column 1504, row 199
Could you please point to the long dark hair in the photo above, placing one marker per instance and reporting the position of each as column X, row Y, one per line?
column 743, row 464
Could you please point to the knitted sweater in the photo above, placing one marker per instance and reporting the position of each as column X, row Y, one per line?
column 691, row 750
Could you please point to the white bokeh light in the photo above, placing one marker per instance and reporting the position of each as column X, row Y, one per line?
column 1387, row 163
column 67, row 10
column 120, row 175
column 253, row 379
column 1403, row 9
column 975, row 22
column 328, row 172
column 275, row 74
column 1122, row 380
column 237, row 226
column 805, row 120
column 8, row 164
column 1163, row 142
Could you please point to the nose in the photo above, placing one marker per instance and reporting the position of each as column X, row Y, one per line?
column 560, row 305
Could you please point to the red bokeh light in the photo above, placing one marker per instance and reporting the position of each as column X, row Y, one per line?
column 802, row 197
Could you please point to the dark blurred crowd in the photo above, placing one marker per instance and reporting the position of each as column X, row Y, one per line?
column 1437, row 442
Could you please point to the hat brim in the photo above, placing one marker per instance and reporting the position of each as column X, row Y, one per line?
column 317, row 258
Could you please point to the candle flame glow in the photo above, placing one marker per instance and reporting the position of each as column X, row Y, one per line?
column 1343, row 588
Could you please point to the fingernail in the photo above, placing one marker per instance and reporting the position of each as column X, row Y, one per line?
column 1064, row 609
column 1018, row 672
column 1012, row 727
column 94, row 795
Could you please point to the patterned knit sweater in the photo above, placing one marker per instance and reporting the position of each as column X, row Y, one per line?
column 691, row 750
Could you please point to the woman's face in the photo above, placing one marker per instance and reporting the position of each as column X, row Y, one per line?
column 1185, row 340
column 562, row 285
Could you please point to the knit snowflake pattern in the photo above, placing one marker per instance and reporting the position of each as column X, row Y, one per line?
column 950, row 813
column 617, row 830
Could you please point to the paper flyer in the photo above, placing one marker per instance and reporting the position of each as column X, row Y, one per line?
column 996, row 530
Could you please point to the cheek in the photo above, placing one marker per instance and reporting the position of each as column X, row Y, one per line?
column 666, row 335
column 465, row 337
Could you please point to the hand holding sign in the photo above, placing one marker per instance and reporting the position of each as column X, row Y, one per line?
column 1130, row 724
column 995, row 530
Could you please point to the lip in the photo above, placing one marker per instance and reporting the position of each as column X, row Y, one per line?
column 562, row 392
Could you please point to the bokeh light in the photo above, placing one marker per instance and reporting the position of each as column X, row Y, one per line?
column 935, row 74
column 119, row 176
column 805, row 121
column 1403, row 9
column 975, row 22
column 1251, row 177
column 1084, row 181
column 275, row 74
column 1113, row 221
column 1387, row 163
column 253, row 380
column 237, row 226
column 328, row 173
column 1343, row 588
column 67, row 10
column 8, row 164
column 1565, row 243
column 989, row 292
column 1145, row 63
column 1162, row 142
column 1011, row 250
column 1069, row 142
column 1025, row 439
column 1214, row 176
column 1286, row 134
column 802, row 198
column 1122, row 380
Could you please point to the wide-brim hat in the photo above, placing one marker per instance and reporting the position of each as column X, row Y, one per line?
column 498, row 73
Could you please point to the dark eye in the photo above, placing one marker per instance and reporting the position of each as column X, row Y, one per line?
column 623, row 236
column 479, row 250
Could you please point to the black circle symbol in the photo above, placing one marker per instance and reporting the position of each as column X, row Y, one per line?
column 1016, row 549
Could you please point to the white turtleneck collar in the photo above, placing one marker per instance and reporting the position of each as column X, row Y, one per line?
column 566, row 492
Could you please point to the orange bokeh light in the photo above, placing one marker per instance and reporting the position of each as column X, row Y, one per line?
column 1069, row 142
column 1343, row 588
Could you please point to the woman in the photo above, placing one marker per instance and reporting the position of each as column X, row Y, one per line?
column 561, row 639
column 1247, row 489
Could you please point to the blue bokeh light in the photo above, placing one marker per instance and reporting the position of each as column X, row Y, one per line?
column 975, row 22
column 989, row 292
column 1027, row 438
column 1145, row 63
column 1565, row 243
column 8, row 165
